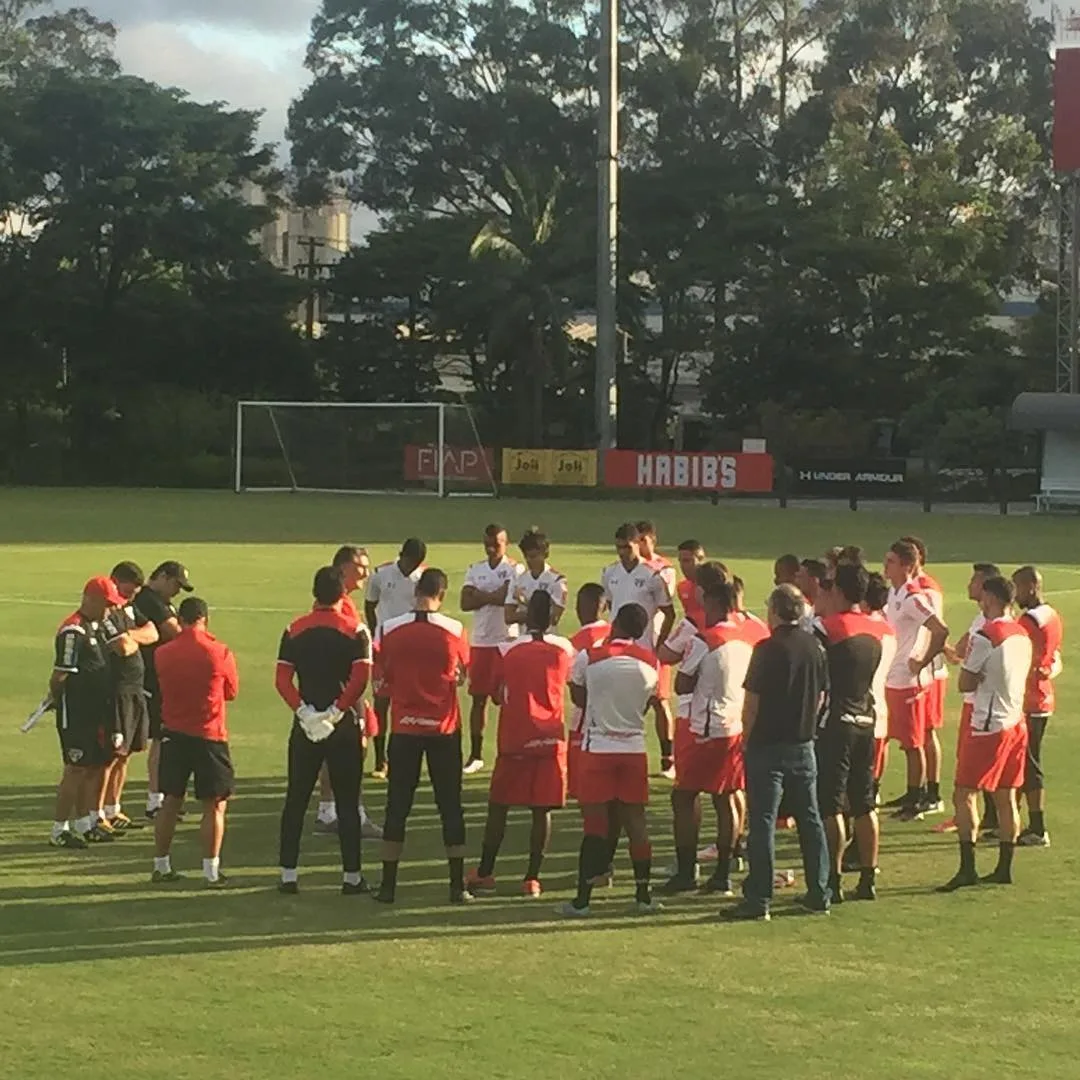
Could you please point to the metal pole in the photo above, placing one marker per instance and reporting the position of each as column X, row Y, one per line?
column 1073, row 195
column 607, row 232
column 441, row 450
column 238, row 484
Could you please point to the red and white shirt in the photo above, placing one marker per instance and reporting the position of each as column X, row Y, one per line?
column 641, row 584
column 1047, row 632
column 392, row 592
column 620, row 679
column 589, row 636
column 976, row 625
column 687, row 592
column 1001, row 653
column 549, row 580
column 936, row 595
column 908, row 611
column 877, row 687
column 489, row 629
column 535, row 671
column 720, row 658
column 421, row 655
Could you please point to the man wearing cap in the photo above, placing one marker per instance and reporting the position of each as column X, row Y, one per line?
column 80, row 688
column 196, row 676
column 154, row 602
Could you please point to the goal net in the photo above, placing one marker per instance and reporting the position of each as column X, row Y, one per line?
column 361, row 448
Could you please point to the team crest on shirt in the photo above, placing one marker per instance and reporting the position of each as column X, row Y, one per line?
column 74, row 756
column 117, row 740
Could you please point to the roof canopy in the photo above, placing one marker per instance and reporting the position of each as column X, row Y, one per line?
column 1045, row 412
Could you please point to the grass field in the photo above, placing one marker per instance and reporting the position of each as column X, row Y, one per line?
column 103, row 976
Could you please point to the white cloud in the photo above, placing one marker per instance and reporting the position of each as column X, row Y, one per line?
column 277, row 16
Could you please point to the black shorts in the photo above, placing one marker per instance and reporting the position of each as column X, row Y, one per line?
column 131, row 724
column 209, row 761
column 845, row 755
column 153, row 705
column 85, row 739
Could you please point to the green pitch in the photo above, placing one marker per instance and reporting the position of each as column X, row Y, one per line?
column 103, row 976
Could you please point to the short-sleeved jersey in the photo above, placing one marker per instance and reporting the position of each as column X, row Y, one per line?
column 1001, row 653
column 888, row 655
column 755, row 628
column 198, row 676
column 641, row 584
column 908, row 611
column 535, row 670
column 392, row 592
column 549, row 580
column 688, row 596
column 324, row 649
column 349, row 611
column 128, row 672
column 1047, row 632
column 159, row 611
column 720, row 657
column 81, row 656
column 936, row 595
column 489, row 627
column 976, row 625
column 420, row 656
column 853, row 649
column 620, row 680
column 589, row 636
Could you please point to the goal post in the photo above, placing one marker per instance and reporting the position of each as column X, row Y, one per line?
column 369, row 448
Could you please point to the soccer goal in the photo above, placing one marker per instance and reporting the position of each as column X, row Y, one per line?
column 361, row 448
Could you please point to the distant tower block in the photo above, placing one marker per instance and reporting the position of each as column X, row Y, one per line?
column 1067, row 166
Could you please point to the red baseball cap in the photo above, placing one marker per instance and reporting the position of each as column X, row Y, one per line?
column 104, row 587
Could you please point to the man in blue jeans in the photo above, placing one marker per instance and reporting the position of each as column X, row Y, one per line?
column 786, row 687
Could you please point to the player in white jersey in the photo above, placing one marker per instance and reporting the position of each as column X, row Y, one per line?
column 993, row 750
column 391, row 591
column 631, row 580
column 538, row 576
column 488, row 585
column 920, row 636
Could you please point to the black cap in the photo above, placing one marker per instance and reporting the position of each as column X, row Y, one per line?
column 192, row 610
column 177, row 571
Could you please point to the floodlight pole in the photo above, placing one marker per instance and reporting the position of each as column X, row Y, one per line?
column 607, row 232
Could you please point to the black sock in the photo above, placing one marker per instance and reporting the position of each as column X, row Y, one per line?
column 666, row 751
column 1005, row 859
column 611, row 846
column 686, row 858
column 738, row 848
column 488, row 855
column 867, row 876
column 476, row 747
column 389, row 878
column 642, row 874
column 933, row 791
column 536, row 860
column 1038, row 822
column 457, row 874
column 967, row 857
column 591, row 863
column 723, row 868
column 380, row 751
column 990, row 818
column 914, row 794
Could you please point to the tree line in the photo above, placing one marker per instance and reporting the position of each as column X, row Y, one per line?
column 825, row 202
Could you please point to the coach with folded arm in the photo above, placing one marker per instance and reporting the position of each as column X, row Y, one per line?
column 329, row 656
column 786, row 687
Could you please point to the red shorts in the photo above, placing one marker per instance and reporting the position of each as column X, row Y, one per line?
column 965, row 723
column 879, row 757
column 907, row 716
column 371, row 722
column 935, row 705
column 485, row 671
column 604, row 778
column 529, row 781
column 713, row 766
column 665, row 682
column 573, row 764
column 992, row 762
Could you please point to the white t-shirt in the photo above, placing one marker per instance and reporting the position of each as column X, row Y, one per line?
column 620, row 678
column 640, row 585
column 933, row 593
column 976, row 625
column 392, row 592
column 908, row 611
column 1001, row 652
column 489, row 629
column 720, row 665
column 877, row 686
column 549, row 581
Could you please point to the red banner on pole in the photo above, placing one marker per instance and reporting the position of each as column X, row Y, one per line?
column 674, row 471
column 460, row 463
column 1067, row 110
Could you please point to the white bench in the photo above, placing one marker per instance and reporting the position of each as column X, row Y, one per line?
column 1050, row 499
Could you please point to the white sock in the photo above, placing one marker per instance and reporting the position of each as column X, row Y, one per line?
column 364, row 819
column 210, row 868
column 58, row 829
column 352, row 877
column 164, row 864
column 100, row 814
column 327, row 812
column 289, row 876
column 111, row 811
column 154, row 800
column 85, row 824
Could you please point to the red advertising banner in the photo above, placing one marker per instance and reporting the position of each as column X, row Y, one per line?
column 674, row 471
column 460, row 463
column 1067, row 110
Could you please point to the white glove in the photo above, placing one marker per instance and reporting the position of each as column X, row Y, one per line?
column 317, row 727
column 306, row 713
column 334, row 714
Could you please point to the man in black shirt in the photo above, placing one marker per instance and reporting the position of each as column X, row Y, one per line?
column 845, row 748
column 154, row 602
column 786, row 688
column 329, row 656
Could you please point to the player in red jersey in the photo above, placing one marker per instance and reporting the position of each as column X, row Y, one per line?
column 424, row 657
column 691, row 556
column 1044, row 626
column 665, row 720
column 993, row 749
column 530, row 769
column 591, row 607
